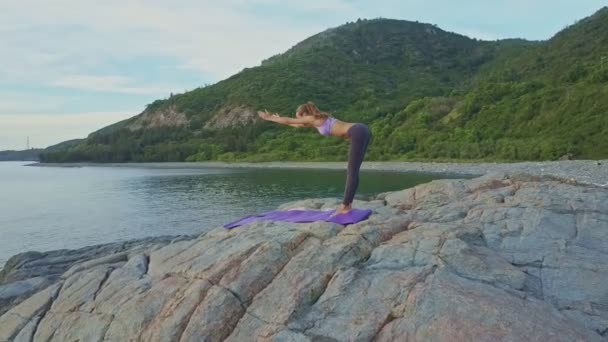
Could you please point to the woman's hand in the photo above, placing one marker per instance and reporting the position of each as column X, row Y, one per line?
column 266, row 116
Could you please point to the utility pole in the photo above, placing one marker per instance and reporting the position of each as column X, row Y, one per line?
column 28, row 142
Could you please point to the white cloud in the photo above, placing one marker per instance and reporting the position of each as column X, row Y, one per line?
column 74, row 44
column 64, row 36
column 69, row 44
column 13, row 103
column 311, row 5
column 110, row 84
column 49, row 129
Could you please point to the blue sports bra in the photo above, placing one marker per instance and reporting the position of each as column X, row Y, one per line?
column 328, row 124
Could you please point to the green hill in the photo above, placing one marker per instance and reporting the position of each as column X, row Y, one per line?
column 425, row 92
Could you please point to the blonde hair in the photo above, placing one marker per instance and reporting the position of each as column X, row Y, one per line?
column 309, row 108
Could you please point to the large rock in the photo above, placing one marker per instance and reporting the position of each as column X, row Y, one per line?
column 27, row 273
column 496, row 258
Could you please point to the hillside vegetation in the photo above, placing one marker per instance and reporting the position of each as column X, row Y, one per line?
column 426, row 94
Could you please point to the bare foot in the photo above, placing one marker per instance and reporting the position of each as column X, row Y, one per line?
column 343, row 209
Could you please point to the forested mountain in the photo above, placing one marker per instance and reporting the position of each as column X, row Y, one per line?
column 426, row 94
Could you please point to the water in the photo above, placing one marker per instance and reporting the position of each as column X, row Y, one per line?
column 48, row 208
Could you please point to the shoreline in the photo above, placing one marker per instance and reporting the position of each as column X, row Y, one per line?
column 591, row 172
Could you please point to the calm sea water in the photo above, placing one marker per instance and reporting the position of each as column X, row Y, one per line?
column 47, row 208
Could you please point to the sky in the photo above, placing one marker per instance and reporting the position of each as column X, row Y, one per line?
column 70, row 67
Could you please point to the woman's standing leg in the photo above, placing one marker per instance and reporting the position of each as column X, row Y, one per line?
column 359, row 139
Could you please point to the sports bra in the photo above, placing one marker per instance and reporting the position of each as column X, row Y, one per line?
column 328, row 124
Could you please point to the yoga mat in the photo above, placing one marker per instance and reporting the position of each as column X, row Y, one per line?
column 304, row 216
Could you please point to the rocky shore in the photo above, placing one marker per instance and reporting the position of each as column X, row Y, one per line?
column 594, row 172
column 495, row 258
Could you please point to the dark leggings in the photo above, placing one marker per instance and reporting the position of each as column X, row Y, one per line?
column 359, row 139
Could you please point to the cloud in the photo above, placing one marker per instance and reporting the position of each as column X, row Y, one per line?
column 49, row 129
column 54, row 51
column 22, row 103
column 310, row 5
column 61, row 53
column 216, row 38
column 110, row 84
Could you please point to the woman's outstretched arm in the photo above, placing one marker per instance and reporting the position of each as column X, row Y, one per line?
column 306, row 121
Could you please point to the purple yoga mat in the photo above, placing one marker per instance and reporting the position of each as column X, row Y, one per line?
column 303, row 216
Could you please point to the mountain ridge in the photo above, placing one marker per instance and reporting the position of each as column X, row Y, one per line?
column 480, row 99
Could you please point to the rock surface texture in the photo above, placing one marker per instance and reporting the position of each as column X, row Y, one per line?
column 495, row 258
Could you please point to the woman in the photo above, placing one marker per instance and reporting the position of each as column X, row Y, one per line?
column 308, row 115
